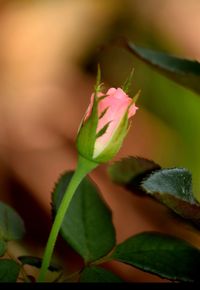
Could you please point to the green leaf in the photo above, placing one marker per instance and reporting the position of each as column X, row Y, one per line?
column 183, row 71
column 2, row 247
column 173, row 187
column 11, row 224
column 37, row 262
column 163, row 255
column 130, row 171
column 9, row 270
column 98, row 275
column 87, row 225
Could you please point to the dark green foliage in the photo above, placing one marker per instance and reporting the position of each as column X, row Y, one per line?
column 87, row 226
column 9, row 270
column 183, row 71
column 130, row 171
column 36, row 262
column 173, row 187
column 95, row 274
column 163, row 255
column 11, row 224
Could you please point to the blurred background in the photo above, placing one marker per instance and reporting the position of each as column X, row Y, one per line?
column 49, row 50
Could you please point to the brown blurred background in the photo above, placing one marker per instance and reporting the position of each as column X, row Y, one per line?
column 48, row 56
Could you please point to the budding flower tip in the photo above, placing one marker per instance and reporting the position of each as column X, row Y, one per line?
column 136, row 97
column 98, row 79
column 127, row 83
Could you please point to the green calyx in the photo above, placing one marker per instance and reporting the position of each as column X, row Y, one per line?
column 115, row 143
column 87, row 133
column 127, row 84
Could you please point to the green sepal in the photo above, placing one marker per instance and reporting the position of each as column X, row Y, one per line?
column 103, row 113
column 87, row 135
column 103, row 130
column 97, row 86
column 115, row 142
column 128, row 81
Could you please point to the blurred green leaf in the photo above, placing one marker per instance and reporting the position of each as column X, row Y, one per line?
column 173, row 187
column 2, row 247
column 11, row 224
column 130, row 171
column 98, row 275
column 183, row 71
column 9, row 270
column 37, row 262
column 87, row 225
column 163, row 255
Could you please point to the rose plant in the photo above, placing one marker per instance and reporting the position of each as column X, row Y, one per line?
column 100, row 136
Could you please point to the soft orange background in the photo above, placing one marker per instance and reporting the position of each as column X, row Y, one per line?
column 44, row 92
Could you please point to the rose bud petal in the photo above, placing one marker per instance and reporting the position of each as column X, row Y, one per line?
column 105, row 125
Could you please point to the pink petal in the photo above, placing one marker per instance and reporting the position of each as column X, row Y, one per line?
column 117, row 93
column 132, row 110
column 117, row 103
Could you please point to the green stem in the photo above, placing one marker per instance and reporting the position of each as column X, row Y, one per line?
column 83, row 168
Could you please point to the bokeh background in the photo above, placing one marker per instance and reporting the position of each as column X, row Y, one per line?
column 49, row 50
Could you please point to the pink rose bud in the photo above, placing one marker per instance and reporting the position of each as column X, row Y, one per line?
column 105, row 124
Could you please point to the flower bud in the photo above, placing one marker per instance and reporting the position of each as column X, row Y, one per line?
column 105, row 124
